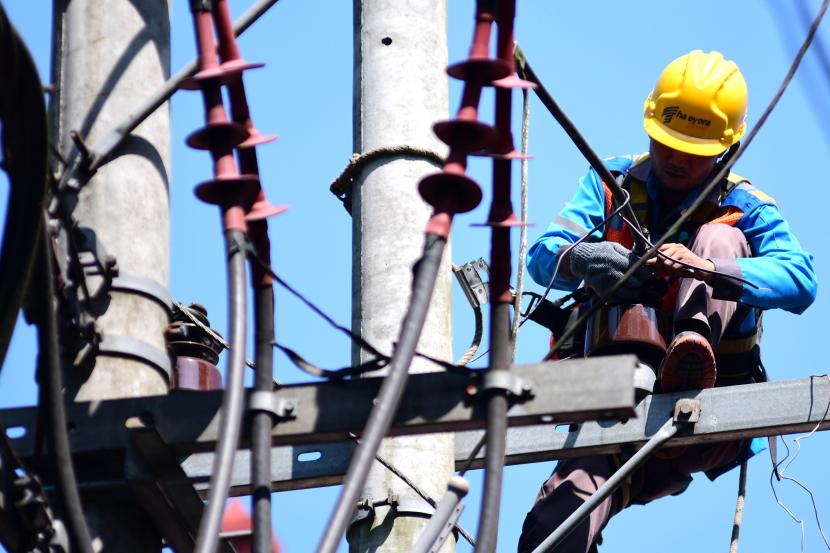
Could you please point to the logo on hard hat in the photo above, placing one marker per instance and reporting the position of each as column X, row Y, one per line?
column 671, row 112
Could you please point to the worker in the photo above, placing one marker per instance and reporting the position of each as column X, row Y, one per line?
column 733, row 259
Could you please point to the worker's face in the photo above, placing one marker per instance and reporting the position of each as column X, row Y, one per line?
column 678, row 171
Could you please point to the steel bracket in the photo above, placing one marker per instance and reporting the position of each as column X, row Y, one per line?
column 476, row 290
column 687, row 410
column 279, row 408
column 401, row 505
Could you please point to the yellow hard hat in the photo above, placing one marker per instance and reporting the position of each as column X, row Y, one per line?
column 698, row 105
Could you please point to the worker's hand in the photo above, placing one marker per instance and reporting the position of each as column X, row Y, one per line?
column 679, row 252
column 602, row 264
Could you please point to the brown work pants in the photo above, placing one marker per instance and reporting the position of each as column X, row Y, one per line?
column 575, row 480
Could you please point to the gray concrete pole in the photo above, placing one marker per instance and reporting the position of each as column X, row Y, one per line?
column 109, row 56
column 400, row 90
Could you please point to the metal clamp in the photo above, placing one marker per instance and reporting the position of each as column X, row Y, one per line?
column 687, row 410
column 401, row 505
column 508, row 382
column 126, row 346
column 147, row 287
column 476, row 290
column 279, row 408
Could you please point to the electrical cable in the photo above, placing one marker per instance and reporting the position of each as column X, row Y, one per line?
column 262, row 422
column 526, row 71
column 694, row 268
column 233, row 400
column 389, row 395
column 789, row 461
column 24, row 143
column 374, row 364
column 532, row 309
column 51, row 397
column 704, row 192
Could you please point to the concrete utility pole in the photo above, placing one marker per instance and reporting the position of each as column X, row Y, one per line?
column 400, row 90
column 108, row 56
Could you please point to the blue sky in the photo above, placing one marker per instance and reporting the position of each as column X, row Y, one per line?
column 599, row 59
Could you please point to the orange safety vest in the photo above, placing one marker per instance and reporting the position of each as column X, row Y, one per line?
column 733, row 347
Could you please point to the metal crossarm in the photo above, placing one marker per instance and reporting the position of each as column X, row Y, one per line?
column 772, row 408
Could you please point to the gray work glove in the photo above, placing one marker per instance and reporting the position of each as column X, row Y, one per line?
column 602, row 264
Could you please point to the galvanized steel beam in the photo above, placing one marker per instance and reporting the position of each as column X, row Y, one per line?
column 772, row 408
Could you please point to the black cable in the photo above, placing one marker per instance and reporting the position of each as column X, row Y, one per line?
column 23, row 133
column 469, row 462
column 51, row 385
column 233, row 398
column 705, row 191
column 523, row 66
column 261, row 421
column 496, row 432
column 378, row 362
column 389, row 395
column 695, row 267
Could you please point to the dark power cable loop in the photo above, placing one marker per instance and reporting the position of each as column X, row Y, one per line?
column 715, row 181
column 51, row 396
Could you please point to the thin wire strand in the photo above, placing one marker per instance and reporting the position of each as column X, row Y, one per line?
column 559, row 259
column 790, row 460
column 520, row 273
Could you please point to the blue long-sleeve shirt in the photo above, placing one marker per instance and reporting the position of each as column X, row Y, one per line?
column 782, row 271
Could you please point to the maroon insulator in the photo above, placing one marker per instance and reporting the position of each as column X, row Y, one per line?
column 195, row 351
column 220, row 191
column 262, row 209
column 225, row 133
column 514, row 81
column 479, row 70
column 468, row 136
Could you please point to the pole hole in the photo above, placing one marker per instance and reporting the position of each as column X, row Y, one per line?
column 567, row 428
column 386, row 41
column 308, row 456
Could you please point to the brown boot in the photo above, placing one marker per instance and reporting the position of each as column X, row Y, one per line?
column 689, row 364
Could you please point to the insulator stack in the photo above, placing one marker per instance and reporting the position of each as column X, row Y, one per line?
column 452, row 191
column 260, row 209
column 196, row 352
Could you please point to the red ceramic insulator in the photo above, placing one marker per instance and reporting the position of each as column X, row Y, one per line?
column 481, row 34
column 227, row 134
column 450, row 192
column 208, row 62
column 231, row 190
column 513, row 81
column 468, row 136
column 262, row 208
column 479, row 70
